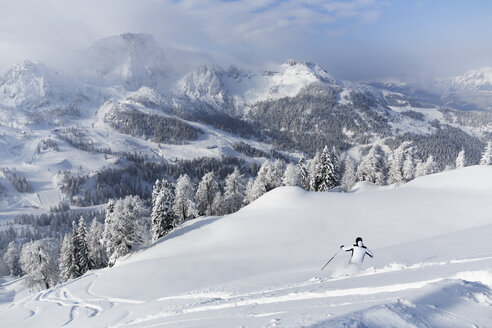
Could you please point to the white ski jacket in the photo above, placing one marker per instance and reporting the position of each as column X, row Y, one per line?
column 359, row 251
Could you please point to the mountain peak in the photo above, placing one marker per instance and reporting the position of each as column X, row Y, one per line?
column 478, row 79
column 31, row 84
column 27, row 67
column 131, row 59
column 308, row 69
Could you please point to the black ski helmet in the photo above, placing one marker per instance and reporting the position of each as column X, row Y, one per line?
column 357, row 240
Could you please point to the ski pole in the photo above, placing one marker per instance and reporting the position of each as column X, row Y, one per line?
column 329, row 261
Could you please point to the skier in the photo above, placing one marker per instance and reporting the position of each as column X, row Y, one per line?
column 359, row 251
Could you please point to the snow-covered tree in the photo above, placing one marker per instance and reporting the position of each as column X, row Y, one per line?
column 184, row 202
column 217, row 204
column 39, row 262
column 323, row 176
column 234, row 190
column 337, row 165
column 303, row 172
column 126, row 226
column 312, row 171
column 373, row 167
column 98, row 258
column 291, row 176
column 262, row 183
column 75, row 251
column 248, row 197
column 205, row 194
column 162, row 216
column 275, row 174
column 12, row 259
column 426, row 168
column 487, row 155
column 396, row 163
column 461, row 159
column 80, row 239
column 348, row 179
column 67, row 266
column 409, row 165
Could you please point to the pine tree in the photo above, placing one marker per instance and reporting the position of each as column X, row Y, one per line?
column 67, row 266
column 205, row 194
column 373, row 167
column 303, row 172
column 12, row 259
column 337, row 167
column 234, row 191
column 291, row 176
column 323, row 173
column 396, row 174
column 184, row 203
column 162, row 216
column 275, row 174
column 39, row 262
column 313, row 180
column 461, row 159
column 75, row 251
column 83, row 252
column 426, row 168
column 98, row 258
column 261, row 184
column 409, row 165
column 249, row 196
column 217, row 204
column 348, row 179
column 126, row 227
column 487, row 155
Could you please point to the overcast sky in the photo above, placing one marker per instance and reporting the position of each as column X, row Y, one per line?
column 356, row 39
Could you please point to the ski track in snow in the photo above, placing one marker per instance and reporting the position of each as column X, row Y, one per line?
column 268, row 296
column 296, row 296
column 392, row 267
column 217, row 301
column 62, row 297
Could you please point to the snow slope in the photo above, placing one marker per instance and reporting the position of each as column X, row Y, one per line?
column 260, row 267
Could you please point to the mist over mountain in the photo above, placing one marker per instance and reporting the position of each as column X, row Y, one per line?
column 131, row 60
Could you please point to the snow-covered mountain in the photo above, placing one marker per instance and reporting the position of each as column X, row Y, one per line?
column 260, row 267
column 125, row 107
column 30, row 85
column 475, row 87
column 470, row 91
column 235, row 90
column 131, row 60
column 478, row 80
column 222, row 90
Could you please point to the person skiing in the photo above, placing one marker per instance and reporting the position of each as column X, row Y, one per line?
column 359, row 251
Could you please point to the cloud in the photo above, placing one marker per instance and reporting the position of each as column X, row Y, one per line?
column 251, row 31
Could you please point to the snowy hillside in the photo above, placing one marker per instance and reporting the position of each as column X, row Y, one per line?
column 260, row 267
